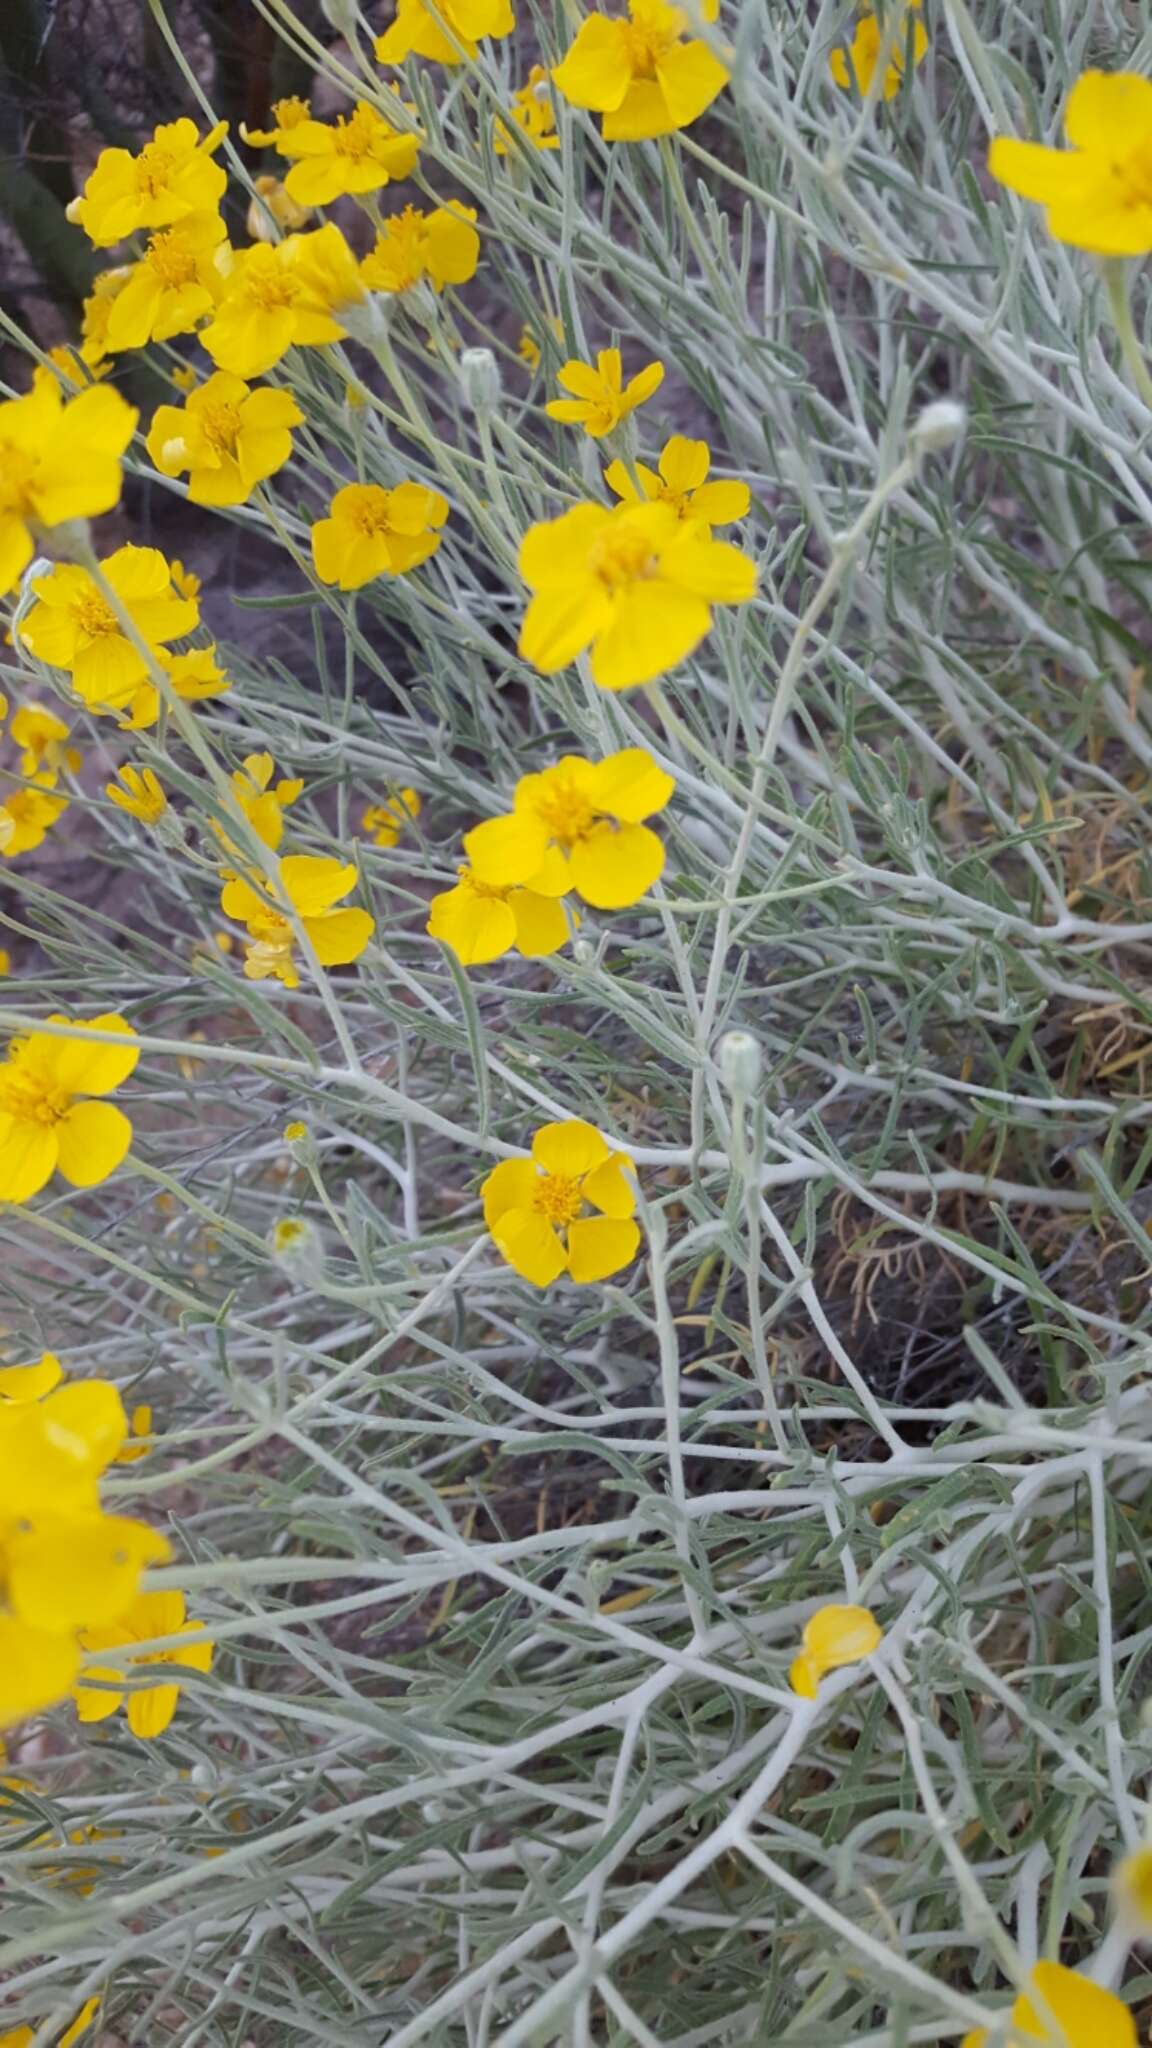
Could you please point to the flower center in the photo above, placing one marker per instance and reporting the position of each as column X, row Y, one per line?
column 355, row 134
column 94, row 617
column 171, row 259
column 153, row 169
column 370, row 517
column 623, row 557
column 289, row 113
column 557, row 1196
column 653, row 31
column 221, row 425
column 566, row 813
column 399, row 251
column 269, row 287
column 31, row 1099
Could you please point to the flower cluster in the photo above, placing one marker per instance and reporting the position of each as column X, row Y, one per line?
column 52, row 1114
column 304, row 899
column 66, row 1565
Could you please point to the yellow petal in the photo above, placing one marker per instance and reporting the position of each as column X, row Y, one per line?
column 531, row 1246
column 651, row 628
column 1037, row 172
column 804, row 1676
column 1089, row 2016
column 90, row 1413
column 66, row 1572
column 31, row 1382
column 314, row 882
column 507, row 851
column 615, row 865
column 93, row 1138
column 712, row 569
column 597, row 71
column 600, row 1245
column 561, row 622
column 36, row 1668
column 83, row 1067
column 841, row 1634
column 629, row 785
column 608, row 1189
column 98, row 1702
column 150, row 1709
column 684, row 464
column 1110, row 112
column 478, row 929
column 340, row 936
column 541, row 926
column 511, row 1185
column 84, row 2018
column 28, row 1155
column 572, row 1148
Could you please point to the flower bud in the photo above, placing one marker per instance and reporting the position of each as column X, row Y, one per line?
column 938, row 426
column 738, row 1061
column 297, row 1249
column 479, row 374
column 342, row 15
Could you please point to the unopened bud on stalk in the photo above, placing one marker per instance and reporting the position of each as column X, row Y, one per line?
column 479, row 374
column 342, row 15
column 738, row 1059
column 939, row 425
column 367, row 320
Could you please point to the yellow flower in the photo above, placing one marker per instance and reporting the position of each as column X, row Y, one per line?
column 858, row 64
column 185, row 581
column 138, row 793
column 682, row 483
column 19, row 2037
column 272, row 208
column 635, row 584
column 282, row 295
column 313, row 885
column 1098, row 193
column 59, row 459
column 287, row 114
column 5, row 960
column 577, row 826
column 73, row 626
column 27, row 814
column 357, row 153
column 47, row 1120
column 294, row 1132
column 1131, row 1881
column 171, row 177
column 533, row 114
column 228, row 438
column 536, row 1208
column 20, row 1383
column 481, row 923
column 149, row 1707
column 192, row 676
column 834, row 1636
column 442, row 247
column 41, row 735
column 185, row 379
column 1083, row 2014
column 172, row 288
column 262, row 804
column 600, row 397
column 528, row 346
column 641, row 75
column 385, row 822
column 420, row 30
column 373, row 532
column 97, row 312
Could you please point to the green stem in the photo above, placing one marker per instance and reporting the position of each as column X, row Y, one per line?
column 1120, row 306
